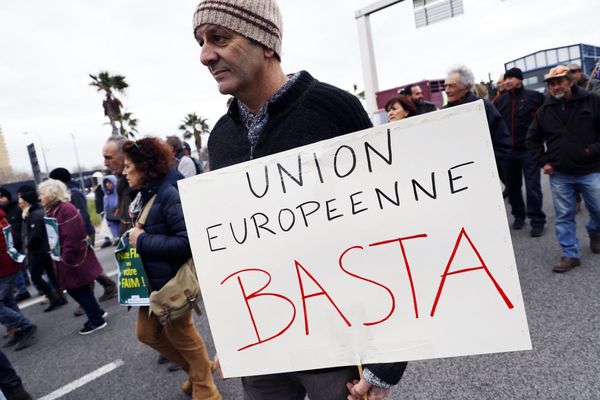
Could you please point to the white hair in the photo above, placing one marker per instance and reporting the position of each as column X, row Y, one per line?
column 466, row 75
column 55, row 191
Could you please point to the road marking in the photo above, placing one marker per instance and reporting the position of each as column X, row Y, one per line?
column 38, row 300
column 68, row 388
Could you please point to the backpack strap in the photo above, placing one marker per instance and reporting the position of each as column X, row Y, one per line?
column 141, row 221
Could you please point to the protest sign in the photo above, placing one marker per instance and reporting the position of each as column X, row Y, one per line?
column 133, row 282
column 389, row 244
column 53, row 238
column 10, row 246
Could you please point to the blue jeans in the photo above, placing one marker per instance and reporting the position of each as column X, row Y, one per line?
column 84, row 295
column 563, row 188
column 10, row 314
column 518, row 165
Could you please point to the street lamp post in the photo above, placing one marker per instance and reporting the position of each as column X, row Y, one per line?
column 78, row 165
column 43, row 150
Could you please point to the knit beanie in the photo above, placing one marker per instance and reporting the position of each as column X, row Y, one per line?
column 28, row 194
column 255, row 19
column 514, row 73
column 61, row 174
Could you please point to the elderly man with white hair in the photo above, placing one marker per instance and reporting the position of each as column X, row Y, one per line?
column 458, row 86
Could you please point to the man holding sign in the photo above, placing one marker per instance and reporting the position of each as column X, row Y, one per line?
column 272, row 112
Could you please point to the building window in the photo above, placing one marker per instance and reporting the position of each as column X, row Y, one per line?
column 574, row 50
column 428, row 12
column 563, row 54
column 540, row 59
column 552, row 57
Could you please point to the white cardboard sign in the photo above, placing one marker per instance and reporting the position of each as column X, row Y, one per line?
column 389, row 244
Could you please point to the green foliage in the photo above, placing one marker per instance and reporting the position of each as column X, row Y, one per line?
column 94, row 217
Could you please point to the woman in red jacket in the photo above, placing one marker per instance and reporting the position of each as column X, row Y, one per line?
column 78, row 266
column 22, row 329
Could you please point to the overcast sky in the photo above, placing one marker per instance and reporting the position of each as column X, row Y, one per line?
column 48, row 48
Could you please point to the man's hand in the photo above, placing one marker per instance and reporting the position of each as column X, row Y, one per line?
column 133, row 236
column 548, row 169
column 358, row 389
column 216, row 367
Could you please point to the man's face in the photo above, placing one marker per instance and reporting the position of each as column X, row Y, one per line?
column 455, row 90
column 3, row 201
column 577, row 74
column 559, row 88
column 231, row 58
column 511, row 83
column 416, row 94
column 113, row 159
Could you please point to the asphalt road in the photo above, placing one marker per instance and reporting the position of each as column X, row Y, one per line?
column 562, row 310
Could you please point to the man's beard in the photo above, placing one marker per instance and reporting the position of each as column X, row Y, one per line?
column 559, row 96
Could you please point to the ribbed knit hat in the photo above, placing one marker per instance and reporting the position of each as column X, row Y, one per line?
column 255, row 19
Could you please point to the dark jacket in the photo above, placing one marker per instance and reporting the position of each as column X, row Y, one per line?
column 498, row 130
column 34, row 231
column 562, row 145
column 78, row 265
column 7, row 265
column 424, row 107
column 125, row 194
column 78, row 199
column 99, row 199
column 13, row 215
column 164, row 245
column 309, row 111
column 518, row 108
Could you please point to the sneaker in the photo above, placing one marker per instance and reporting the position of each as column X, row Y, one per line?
column 22, row 296
column 566, row 264
column 104, row 314
column 79, row 312
column 595, row 243
column 14, row 339
column 107, row 243
column 109, row 292
column 537, row 230
column 26, row 337
column 518, row 223
column 88, row 328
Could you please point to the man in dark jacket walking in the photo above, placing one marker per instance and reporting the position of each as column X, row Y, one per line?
column 518, row 106
column 565, row 141
column 272, row 112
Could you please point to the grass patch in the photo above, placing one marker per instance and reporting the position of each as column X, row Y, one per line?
column 94, row 217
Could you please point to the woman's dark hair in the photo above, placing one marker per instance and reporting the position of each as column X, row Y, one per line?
column 404, row 101
column 151, row 156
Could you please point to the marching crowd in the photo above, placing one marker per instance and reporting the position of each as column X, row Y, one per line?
column 557, row 133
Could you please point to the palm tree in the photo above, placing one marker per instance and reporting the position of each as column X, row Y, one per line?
column 128, row 125
column 112, row 105
column 195, row 126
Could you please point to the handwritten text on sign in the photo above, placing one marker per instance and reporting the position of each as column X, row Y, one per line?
column 385, row 245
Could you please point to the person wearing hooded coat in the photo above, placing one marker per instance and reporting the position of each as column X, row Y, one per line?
column 111, row 204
